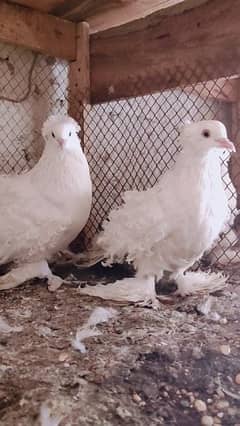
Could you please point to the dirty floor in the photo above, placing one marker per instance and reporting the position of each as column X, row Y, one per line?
column 179, row 365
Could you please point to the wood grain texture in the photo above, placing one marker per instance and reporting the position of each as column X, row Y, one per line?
column 82, row 8
column 37, row 31
column 185, row 45
column 234, row 163
column 79, row 78
column 100, row 14
column 79, row 95
column 41, row 5
column 111, row 13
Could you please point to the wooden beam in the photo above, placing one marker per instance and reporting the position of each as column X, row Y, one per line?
column 37, row 31
column 79, row 95
column 81, row 7
column 234, row 162
column 41, row 5
column 79, row 79
column 100, row 14
column 184, row 46
column 105, row 14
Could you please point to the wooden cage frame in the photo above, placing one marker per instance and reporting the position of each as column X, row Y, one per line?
column 105, row 65
column 190, row 32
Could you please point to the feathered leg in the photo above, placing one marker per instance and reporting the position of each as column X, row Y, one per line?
column 138, row 290
column 197, row 282
column 81, row 260
column 28, row 271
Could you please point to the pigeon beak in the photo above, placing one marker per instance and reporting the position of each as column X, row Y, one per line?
column 61, row 142
column 225, row 143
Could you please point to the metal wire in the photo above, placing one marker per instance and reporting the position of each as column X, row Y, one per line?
column 31, row 87
column 129, row 143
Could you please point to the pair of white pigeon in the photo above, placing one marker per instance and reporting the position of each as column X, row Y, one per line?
column 165, row 228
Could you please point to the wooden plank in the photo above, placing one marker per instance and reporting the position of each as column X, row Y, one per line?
column 100, row 14
column 79, row 95
column 79, row 78
column 104, row 14
column 163, row 51
column 79, row 10
column 234, row 162
column 37, row 31
column 41, row 5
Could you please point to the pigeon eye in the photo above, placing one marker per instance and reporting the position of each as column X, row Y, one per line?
column 70, row 133
column 53, row 135
column 206, row 133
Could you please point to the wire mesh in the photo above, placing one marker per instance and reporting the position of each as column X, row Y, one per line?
column 31, row 87
column 129, row 143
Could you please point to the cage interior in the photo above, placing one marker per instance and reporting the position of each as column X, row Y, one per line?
column 129, row 143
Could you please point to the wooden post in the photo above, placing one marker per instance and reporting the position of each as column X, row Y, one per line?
column 234, row 163
column 79, row 99
column 79, row 78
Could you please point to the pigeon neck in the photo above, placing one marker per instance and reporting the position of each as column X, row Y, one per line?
column 55, row 161
column 201, row 167
column 200, row 159
column 54, row 154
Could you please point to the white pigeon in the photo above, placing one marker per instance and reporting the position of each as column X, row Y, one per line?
column 43, row 210
column 170, row 226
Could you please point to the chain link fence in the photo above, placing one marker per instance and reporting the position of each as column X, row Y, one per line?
column 129, row 143
column 31, row 87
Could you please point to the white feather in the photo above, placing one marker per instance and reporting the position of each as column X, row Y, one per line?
column 82, row 334
column 98, row 316
column 127, row 290
column 143, row 290
column 46, row 418
column 200, row 282
column 6, row 328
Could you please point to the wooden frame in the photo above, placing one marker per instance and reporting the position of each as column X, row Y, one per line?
column 103, row 14
column 148, row 55
column 37, row 31
column 141, row 57
column 100, row 14
column 79, row 78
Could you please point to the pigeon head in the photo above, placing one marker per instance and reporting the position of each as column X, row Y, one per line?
column 60, row 132
column 204, row 136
